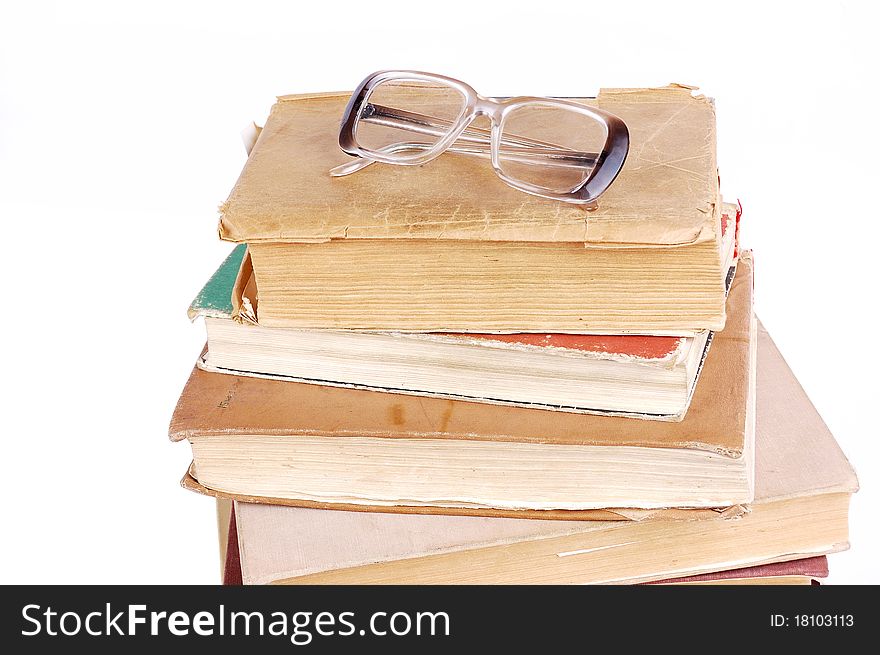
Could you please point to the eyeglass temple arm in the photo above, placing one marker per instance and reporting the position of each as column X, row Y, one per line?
column 423, row 124
column 473, row 141
column 476, row 149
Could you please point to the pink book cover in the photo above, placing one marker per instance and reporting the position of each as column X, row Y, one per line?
column 814, row 567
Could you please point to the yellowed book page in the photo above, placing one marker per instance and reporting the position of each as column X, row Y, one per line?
column 468, row 286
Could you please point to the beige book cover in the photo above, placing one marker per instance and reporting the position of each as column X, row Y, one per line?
column 666, row 194
column 802, row 485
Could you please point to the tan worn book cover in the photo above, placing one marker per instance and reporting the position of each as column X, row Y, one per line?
column 666, row 194
column 801, row 491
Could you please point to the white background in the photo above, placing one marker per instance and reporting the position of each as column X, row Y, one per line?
column 119, row 137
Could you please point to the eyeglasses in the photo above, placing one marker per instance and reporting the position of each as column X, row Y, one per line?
column 548, row 147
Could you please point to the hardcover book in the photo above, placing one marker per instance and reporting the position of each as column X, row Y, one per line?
column 449, row 247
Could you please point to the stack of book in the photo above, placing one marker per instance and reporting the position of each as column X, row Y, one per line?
column 421, row 375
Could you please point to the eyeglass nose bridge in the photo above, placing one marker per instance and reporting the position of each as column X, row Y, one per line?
column 489, row 107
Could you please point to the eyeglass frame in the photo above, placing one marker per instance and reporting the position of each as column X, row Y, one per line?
column 608, row 163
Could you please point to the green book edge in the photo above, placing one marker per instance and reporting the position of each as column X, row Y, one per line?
column 215, row 298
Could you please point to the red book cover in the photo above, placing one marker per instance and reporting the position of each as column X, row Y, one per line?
column 629, row 345
column 232, row 567
column 813, row 567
